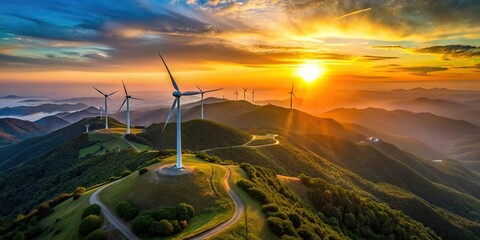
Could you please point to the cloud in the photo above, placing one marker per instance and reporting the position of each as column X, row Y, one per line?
column 451, row 51
column 375, row 58
column 421, row 71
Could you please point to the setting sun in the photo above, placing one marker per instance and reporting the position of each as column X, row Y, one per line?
column 310, row 71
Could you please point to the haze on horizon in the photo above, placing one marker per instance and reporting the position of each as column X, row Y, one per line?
column 51, row 47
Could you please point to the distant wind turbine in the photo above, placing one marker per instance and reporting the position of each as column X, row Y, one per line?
column 236, row 93
column 253, row 95
column 176, row 103
column 106, row 107
column 292, row 94
column 127, row 99
column 203, row 92
column 245, row 93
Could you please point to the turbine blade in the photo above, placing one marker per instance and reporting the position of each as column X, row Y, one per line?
column 199, row 88
column 189, row 93
column 112, row 93
column 137, row 98
column 99, row 90
column 170, row 113
column 124, row 88
column 292, row 86
column 122, row 105
column 294, row 95
column 168, row 70
column 218, row 89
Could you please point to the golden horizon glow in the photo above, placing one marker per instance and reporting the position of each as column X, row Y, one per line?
column 311, row 71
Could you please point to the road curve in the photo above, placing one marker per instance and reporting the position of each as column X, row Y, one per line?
column 114, row 220
column 239, row 209
column 246, row 145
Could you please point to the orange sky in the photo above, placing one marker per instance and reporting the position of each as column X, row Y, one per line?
column 234, row 44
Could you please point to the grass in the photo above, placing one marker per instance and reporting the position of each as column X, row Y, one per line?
column 109, row 140
column 257, row 226
column 63, row 223
column 119, row 131
column 204, row 191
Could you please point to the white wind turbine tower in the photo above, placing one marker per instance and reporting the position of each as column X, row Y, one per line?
column 203, row 92
column 236, row 93
column 253, row 95
column 292, row 94
column 127, row 99
column 106, row 106
column 245, row 93
column 176, row 103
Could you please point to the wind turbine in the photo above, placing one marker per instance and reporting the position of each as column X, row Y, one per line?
column 253, row 95
column 292, row 94
column 203, row 92
column 236, row 93
column 106, row 107
column 127, row 99
column 176, row 103
column 245, row 93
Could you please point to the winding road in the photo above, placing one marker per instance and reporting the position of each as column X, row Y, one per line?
column 239, row 206
column 239, row 209
column 273, row 137
column 110, row 216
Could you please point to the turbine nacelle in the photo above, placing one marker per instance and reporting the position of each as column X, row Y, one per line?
column 177, row 94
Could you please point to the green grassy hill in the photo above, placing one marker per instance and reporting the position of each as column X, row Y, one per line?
column 334, row 160
column 196, row 135
column 35, row 147
column 62, row 170
column 202, row 188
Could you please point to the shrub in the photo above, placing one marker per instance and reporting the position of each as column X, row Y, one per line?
column 96, row 235
column 142, row 171
column 276, row 225
column 93, row 209
column 169, row 213
column 245, row 184
column 258, row 194
column 126, row 173
column 141, row 225
column 113, row 178
column 155, row 229
column 307, row 233
column 184, row 211
column 76, row 196
column 80, row 190
column 176, row 226
column 295, row 219
column 166, row 228
column 280, row 215
column 272, row 207
column 127, row 210
column 90, row 224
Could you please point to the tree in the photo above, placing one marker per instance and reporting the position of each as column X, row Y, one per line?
column 93, row 209
column 166, row 227
column 184, row 211
column 141, row 225
column 96, row 235
column 276, row 225
column 90, row 224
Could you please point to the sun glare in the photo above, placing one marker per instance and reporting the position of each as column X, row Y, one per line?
column 310, row 71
